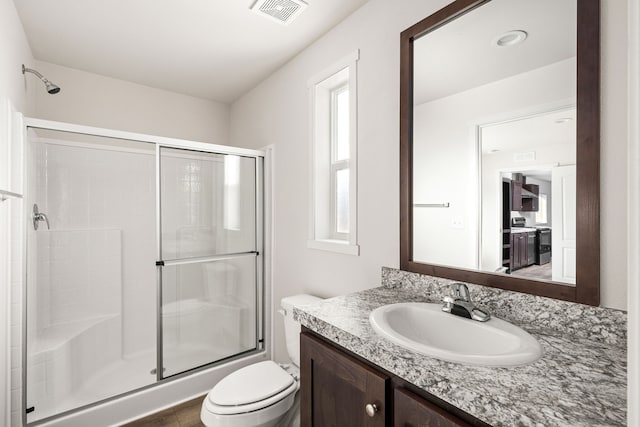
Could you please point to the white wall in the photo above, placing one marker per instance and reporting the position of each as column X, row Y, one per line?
column 14, row 51
column 633, row 219
column 95, row 100
column 613, row 154
column 276, row 112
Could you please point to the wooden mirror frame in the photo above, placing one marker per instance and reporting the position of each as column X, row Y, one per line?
column 587, row 287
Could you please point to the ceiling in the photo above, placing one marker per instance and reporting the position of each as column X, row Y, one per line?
column 442, row 57
column 211, row 49
column 552, row 128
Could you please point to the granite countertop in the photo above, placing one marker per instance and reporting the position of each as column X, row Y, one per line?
column 579, row 381
column 522, row 230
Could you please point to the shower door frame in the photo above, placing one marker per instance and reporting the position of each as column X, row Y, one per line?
column 259, row 252
column 264, row 325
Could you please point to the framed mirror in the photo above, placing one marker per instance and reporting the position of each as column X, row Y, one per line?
column 500, row 146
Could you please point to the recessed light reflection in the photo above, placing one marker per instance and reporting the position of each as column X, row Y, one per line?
column 510, row 38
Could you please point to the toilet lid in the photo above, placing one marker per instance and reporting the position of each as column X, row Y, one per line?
column 251, row 384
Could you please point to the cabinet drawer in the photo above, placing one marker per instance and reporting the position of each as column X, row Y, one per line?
column 411, row 410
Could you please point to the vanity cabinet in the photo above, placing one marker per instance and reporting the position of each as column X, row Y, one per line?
column 338, row 389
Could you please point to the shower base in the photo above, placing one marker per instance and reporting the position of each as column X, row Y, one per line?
column 116, row 378
column 109, row 380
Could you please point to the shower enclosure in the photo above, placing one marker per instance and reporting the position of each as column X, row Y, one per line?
column 144, row 262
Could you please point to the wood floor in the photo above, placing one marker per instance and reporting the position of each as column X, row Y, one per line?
column 535, row 271
column 188, row 415
column 184, row 415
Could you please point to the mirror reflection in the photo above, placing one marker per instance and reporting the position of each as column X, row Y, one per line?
column 494, row 141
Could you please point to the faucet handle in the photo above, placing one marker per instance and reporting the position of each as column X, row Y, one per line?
column 448, row 303
column 461, row 291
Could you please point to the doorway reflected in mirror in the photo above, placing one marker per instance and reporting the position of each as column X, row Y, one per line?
column 522, row 162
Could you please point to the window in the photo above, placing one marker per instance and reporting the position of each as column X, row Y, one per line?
column 541, row 215
column 340, row 162
column 332, row 93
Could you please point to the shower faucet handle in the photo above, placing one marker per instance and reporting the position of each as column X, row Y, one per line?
column 39, row 216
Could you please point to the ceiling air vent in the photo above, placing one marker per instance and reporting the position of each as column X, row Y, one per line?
column 282, row 11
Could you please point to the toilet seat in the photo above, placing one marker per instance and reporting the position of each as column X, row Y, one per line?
column 251, row 388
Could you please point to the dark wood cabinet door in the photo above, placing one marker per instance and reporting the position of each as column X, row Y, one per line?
column 519, row 250
column 336, row 388
column 515, row 252
column 411, row 410
column 530, row 204
column 516, row 196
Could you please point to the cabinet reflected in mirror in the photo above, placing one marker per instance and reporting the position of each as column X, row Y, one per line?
column 500, row 145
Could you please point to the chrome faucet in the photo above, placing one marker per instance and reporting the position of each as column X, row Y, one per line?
column 460, row 304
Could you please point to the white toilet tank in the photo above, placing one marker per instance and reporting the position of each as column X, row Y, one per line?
column 291, row 327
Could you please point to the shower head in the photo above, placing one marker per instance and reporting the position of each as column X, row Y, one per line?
column 51, row 88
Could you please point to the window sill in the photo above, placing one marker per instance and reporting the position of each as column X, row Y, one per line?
column 338, row 246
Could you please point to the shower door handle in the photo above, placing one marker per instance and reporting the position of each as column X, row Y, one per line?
column 39, row 216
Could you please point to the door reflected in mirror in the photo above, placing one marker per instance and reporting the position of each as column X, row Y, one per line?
column 494, row 141
column 528, row 175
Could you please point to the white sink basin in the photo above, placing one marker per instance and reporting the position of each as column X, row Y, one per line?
column 426, row 329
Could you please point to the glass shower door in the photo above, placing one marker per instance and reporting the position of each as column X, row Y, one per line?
column 90, row 305
column 209, row 258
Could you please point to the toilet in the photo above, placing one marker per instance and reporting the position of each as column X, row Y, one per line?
column 258, row 395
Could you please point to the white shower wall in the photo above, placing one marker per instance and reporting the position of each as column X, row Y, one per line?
column 79, row 275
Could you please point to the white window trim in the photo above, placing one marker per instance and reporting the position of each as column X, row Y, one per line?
column 349, row 245
column 331, row 245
